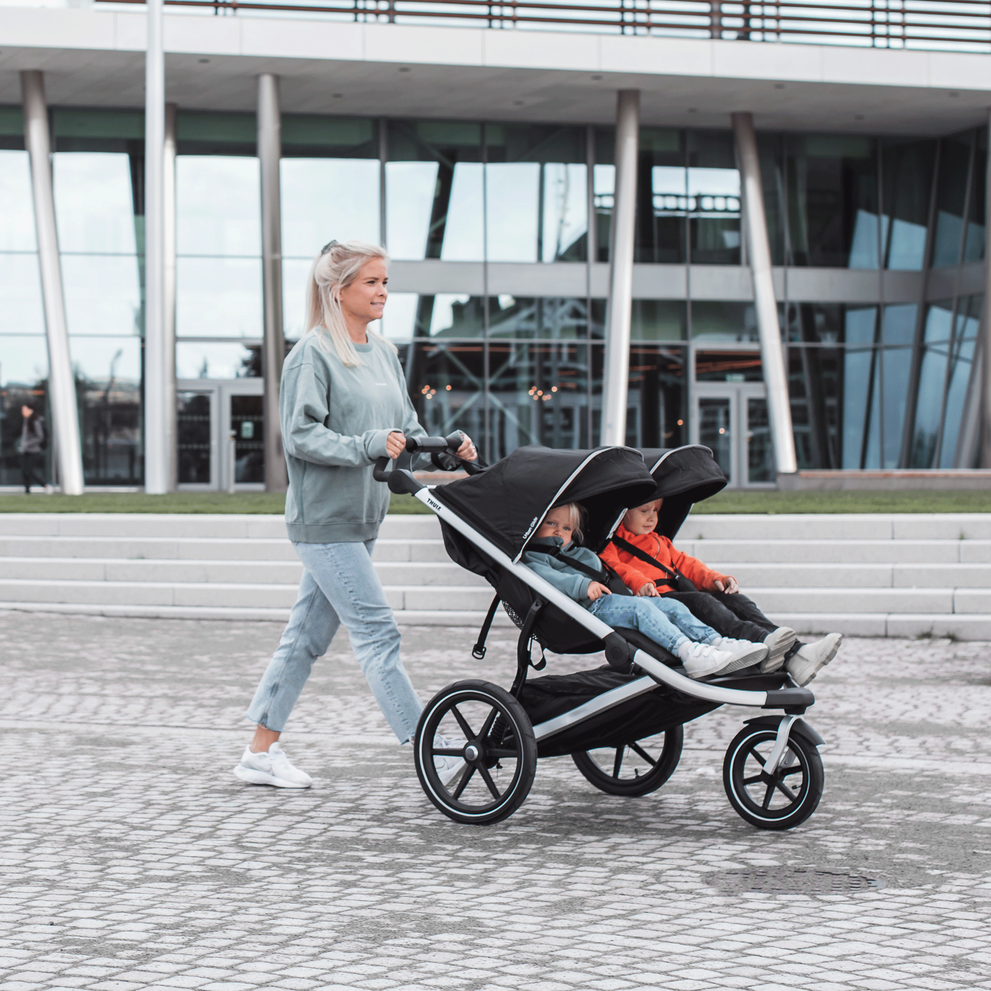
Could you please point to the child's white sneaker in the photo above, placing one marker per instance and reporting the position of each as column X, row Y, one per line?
column 270, row 767
column 743, row 653
column 778, row 643
column 702, row 659
column 807, row 661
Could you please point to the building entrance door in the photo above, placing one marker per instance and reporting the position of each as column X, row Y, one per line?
column 220, row 436
column 731, row 418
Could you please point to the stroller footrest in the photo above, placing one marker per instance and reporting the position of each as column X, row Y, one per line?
column 792, row 700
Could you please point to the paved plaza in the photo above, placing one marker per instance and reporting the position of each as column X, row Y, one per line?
column 132, row 858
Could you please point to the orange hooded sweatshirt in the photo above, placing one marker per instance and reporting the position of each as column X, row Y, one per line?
column 636, row 573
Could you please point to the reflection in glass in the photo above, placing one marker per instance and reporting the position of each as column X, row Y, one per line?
column 327, row 199
column 94, row 202
column 195, row 437
column 659, row 320
column 447, row 179
column 538, row 394
column 450, row 315
column 218, row 205
column 932, row 376
column 728, row 366
column 661, row 224
column 16, row 202
column 951, row 193
column 603, row 198
column 973, row 248
column 715, row 430
column 446, row 380
column 108, row 388
column 247, row 426
column 399, row 318
column 861, row 388
column 23, row 379
column 658, row 399
column 898, row 328
column 760, row 453
column 21, row 308
column 908, row 168
column 208, row 360
column 961, row 362
column 832, row 200
column 512, row 200
column 813, row 390
column 102, row 294
column 219, row 297
column 724, row 321
column 713, row 198
column 550, row 318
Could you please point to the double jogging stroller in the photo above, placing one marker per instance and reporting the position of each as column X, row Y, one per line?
column 622, row 722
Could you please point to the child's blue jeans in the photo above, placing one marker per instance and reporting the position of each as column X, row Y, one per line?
column 666, row 621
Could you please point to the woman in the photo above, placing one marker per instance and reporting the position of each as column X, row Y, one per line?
column 343, row 404
column 32, row 446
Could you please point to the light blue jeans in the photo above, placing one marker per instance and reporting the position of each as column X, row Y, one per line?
column 339, row 586
column 666, row 621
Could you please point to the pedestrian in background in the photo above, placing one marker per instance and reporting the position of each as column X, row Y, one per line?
column 32, row 447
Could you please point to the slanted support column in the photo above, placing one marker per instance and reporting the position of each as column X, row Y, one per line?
column 616, row 374
column 984, row 391
column 273, row 348
column 759, row 250
column 61, row 387
column 168, row 325
column 157, row 407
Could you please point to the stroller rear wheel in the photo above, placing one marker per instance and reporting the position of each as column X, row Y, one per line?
column 772, row 801
column 488, row 730
column 636, row 768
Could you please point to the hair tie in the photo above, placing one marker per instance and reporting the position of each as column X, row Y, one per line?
column 328, row 246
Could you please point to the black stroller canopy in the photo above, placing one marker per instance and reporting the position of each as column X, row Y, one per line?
column 507, row 502
column 684, row 476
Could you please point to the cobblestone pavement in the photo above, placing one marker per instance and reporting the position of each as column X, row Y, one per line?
column 131, row 857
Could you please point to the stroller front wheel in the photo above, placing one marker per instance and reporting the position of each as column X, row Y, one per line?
column 780, row 800
column 484, row 727
column 635, row 768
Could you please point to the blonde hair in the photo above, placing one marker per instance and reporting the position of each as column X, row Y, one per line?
column 576, row 517
column 334, row 269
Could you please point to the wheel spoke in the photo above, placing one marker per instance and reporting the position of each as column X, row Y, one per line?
column 447, row 753
column 797, row 769
column 754, row 779
column 785, row 790
column 463, row 723
column 499, row 752
column 637, row 749
column 464, row 782
column 617, row 764
column 757, row 757
column 488, row 780
column 766, row 804
column 487, row 725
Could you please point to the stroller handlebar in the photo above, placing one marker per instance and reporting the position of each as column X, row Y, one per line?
column 401, row 480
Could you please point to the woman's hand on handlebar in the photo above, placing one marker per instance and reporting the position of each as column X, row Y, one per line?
column 467, row 450
column 395, row 444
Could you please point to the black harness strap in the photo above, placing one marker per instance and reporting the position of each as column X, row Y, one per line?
column 478, row 651
column 678, row 581
column 606, row 576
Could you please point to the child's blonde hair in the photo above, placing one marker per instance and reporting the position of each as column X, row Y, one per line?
column 576, row 517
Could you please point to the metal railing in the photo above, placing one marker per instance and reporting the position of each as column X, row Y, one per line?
column 950, row 25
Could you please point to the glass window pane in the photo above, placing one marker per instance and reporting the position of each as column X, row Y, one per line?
column 728, row 366
column 248, row 427
column 861, row 386
column 659, row 320
column 662, row 200
column 108, row 386
column 399, row 319
column 206, row 360
column 715, row 430
column 450, row 315
column 94, row 204
column 219, row 297
column 538, row 394
column 961, row 361
column 565, row 219
column 897, row 364
column 21, row 308
column 603, row 196
column 813, row 390
column 313, row 136
column 908, row 168
column 832, row 200
column 512, row 198
column 218, row 205
column 720, row 321
column 932, row 376
column 658, row 397
column 195, row 437
column 23, row 380
column 951, row 190
column 551, row 318
column 102, row 294
column 760, row 451
column 434, row 190
column 16, row 202
column 713, row 198
column 326, row 199
column 446, row 383
column 973, row 248
column 295, row 273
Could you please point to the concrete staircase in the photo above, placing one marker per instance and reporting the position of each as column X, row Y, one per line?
column 869, row 575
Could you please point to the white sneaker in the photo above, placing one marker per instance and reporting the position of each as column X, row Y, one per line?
column 448, row 767
column 270, row 767
column 807, row 661
column 743, row 653
column 778, row 643
column 702, row 659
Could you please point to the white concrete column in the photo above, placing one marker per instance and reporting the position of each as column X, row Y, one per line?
column 759, row 249
column 984, row 390
column 61, row 385
column 168, row 321
column 616, row 373
column 273, row 347
column 157, row 412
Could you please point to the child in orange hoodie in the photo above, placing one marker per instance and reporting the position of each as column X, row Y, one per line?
column 717, row 601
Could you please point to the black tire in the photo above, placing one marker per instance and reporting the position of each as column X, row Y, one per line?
column 779, row 801
column 636, row 768
column 500, row 752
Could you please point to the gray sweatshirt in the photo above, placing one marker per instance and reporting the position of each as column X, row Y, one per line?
column 558, row 571
column 335, row 421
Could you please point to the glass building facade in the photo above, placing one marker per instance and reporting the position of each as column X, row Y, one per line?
column 500, row 236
